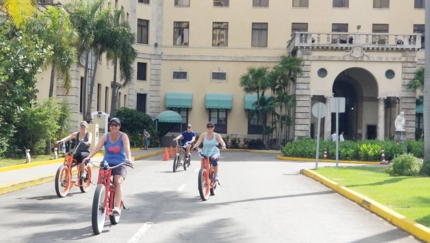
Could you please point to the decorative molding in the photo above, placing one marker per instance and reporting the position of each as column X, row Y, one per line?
column 357, row 52
column 211, row 58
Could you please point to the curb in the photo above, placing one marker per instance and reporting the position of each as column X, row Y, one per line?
column 280, row 157
column 412, row 227
column 251, row 150
column 44, row 179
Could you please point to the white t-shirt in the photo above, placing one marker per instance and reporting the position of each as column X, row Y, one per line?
column 341, row 138
column 334, row 137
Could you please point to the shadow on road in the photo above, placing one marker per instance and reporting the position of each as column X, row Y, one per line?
column 388, row 236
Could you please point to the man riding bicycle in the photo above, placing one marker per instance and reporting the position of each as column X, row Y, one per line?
column 188, row 136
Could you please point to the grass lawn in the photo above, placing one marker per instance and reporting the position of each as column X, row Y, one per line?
column 409, row 196
column 9, row 162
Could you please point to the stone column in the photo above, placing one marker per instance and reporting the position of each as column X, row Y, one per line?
column 327, row 119
column 380, row 131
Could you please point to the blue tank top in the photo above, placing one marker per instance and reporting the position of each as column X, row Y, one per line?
column 114, row 152
column 208, row 145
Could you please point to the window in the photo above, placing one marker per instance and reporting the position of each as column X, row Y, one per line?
column 142, row 31
column 219, row 118
column 379, row 28
column 180, row 127
column 106, row 99
column 181, row 33
column 141, row 71
column 219, row 76
column 182, row 3
column 259, row 35
column 255, row 126
column 381, row 3
column 221, row 3
column 81, row 96
column 340, row 3
column 260, row 3
column 300, row 27
column 300, row 3
column 339, row 28
column 144, row 1
column 125, row 100
column 99, row 96
column 220, row 34
column 419, row 28
column 119, row 100
column 180, row 76
column 140, row 103
column 420, row 4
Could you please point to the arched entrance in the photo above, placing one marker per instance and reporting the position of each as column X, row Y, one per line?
column 360, row 89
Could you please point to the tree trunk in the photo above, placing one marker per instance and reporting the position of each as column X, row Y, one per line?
column 84, row 103
column 90, row 95
column 52, row 81
column 114, row 93
column 426, row 92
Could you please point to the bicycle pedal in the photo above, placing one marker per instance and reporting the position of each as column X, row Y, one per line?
column 123, row 207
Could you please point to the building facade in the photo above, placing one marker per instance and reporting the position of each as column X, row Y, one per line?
column 193, row 53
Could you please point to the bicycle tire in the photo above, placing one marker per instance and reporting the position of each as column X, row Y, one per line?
column 98, row 213
column 86, row 184
column 188, row 163
column 213, row 189
column 62, row 174
column 202, row 185
column 114, row 219
column 175, row 163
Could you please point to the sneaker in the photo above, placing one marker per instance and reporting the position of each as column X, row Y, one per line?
column 116, row 211
column 216, row 178
column 84, row 175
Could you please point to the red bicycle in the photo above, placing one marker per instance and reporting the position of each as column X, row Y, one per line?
column 206, row 180
column 104, row 198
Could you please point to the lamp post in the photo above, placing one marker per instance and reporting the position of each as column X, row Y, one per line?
column 426, row 92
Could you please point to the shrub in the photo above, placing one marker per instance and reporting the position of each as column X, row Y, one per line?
column 133, row 122
column 425, row 169
column 234, row 142
column 404, row 165
column 256, row 144
column 416, row 148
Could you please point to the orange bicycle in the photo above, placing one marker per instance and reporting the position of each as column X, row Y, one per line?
column 206, row 180
column 63, row 177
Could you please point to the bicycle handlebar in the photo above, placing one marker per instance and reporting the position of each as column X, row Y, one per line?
column 185, row 144
column 107, row 167
column 202, row 155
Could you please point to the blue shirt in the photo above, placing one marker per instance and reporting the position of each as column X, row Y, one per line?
column 187, row 136
column 114, row 152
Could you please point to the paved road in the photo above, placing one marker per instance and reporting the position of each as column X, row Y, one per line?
column 261, row 200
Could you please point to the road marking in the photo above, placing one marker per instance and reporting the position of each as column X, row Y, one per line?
column 181, row 188
column 197, row 170
column 136, row 237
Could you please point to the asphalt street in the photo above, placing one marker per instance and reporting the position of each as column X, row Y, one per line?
column 262, row 199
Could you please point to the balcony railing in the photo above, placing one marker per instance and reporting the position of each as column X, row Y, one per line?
column 342, row 40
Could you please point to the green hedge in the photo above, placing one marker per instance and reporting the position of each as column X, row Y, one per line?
column 368, row 150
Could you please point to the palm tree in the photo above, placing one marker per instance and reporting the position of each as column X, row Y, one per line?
column 418, row 81
column 18, row 11
column 84, row 17
column 123, row 49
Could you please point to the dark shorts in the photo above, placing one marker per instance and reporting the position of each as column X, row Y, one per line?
column 80, row 156
column 120, row 170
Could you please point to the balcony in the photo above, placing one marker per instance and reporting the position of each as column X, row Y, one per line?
column 345, row 41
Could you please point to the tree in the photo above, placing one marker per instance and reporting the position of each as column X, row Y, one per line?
column 18, row 11
column 121, row 48
column 418, row 81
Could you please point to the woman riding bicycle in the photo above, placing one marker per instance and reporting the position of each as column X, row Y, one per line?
column 210, row 139
column 83, row 142
column 117, row 150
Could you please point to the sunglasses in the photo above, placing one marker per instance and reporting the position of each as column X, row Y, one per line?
column 188, row 127
column 82, row 126
column 210, row 126
column 113, row 125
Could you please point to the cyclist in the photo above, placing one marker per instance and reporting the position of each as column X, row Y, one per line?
column 83, row 149
column 117, row 150
column 188, row 136
column 210, row 139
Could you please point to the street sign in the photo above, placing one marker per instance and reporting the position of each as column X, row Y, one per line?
column 319, row 110
column 337, row 104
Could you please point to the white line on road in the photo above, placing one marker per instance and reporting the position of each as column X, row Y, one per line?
column 181, row 188
column 136, row 237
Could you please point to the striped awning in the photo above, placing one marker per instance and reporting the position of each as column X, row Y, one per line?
column 219, row 101
column 179, row 100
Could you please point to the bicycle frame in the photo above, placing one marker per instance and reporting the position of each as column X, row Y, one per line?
column 105, row 179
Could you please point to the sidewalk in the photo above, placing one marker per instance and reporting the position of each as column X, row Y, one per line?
column 13, row 180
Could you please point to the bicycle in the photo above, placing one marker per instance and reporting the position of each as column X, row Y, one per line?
column 180, row 156
column 206, row 180
column 104, row 198
column 63, row 177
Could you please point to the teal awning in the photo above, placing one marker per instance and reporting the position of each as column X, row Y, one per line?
column 419, row 109
column 219, row 101
column 169, row 116
column 179, row 100
column 250, row 99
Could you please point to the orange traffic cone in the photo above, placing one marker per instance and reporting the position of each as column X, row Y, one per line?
column 166, row 155
column 171, row 152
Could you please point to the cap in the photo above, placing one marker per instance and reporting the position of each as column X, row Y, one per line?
column 189, row 125
column 83, row 123
column 115, row 120
column 210, row 124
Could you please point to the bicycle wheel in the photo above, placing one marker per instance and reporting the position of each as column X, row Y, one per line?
column 98, row 214
column 115, row 219
column 214, row 183
column 188, row 163
column 62, row 181
column 86, row 183
column 176, row 163
column 203, row 185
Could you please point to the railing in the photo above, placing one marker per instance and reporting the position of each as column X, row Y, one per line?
column 348, row 40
